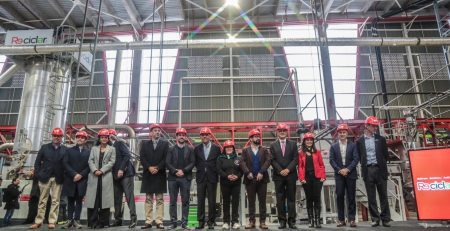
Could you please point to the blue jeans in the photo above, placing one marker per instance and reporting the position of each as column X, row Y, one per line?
column 8, row 215
column 182, row 186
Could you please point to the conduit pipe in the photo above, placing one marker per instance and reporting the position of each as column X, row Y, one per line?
column 222, row 43
column 8, row 74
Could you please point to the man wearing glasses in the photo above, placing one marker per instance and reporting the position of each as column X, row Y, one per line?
column 284, row 162
column 206, row 155
column 180, row 161
column 49, row 170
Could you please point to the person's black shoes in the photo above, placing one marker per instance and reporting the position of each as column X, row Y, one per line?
column 133, row 223
column 117, row 223
column 160, row 226
column 386, row 224
column 282, row 225
column 292, row 225
column 146, row 226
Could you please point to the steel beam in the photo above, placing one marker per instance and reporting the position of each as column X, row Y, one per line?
column 110, row 10
column 135, row 86
column 90, row 15
column 55, row 5
column 133, row 14
column 36, row 14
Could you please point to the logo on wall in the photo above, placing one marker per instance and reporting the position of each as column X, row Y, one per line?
column 29, row 37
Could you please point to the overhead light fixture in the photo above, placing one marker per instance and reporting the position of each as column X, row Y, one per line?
column 234, row 3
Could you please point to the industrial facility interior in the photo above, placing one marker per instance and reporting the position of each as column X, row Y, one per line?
column 231, row 66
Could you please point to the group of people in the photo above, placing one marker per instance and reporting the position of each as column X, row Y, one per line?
column 104, row 173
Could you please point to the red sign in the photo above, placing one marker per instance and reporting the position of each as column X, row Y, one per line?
column 431, row 178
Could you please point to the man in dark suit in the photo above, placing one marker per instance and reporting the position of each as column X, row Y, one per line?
column 344, row 158
column 75, row 179
column 206, row 155
column 255, row 162
column 123, row 175
column 49, row 171
column 180, row 161
column 284, row 162
column 373, row 154
column 154, row 179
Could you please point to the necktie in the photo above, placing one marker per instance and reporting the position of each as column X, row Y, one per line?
column 283, row 147
column 154, row 144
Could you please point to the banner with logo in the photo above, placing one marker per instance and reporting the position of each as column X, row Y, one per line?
column 29, row 37
column 431, row 178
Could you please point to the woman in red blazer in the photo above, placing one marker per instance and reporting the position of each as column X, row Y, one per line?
column 311, row 173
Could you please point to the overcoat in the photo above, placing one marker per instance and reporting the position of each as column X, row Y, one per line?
column 154, row 183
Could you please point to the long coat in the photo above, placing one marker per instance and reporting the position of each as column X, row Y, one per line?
column 75, row 161
column 154, row 183
column 107, row 179
column 206, row 169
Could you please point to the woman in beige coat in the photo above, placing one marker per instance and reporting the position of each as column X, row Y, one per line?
column 100, row 192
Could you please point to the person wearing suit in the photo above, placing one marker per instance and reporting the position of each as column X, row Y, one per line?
column 49, row 171
column 284, row 162
column 75, row 179
column 180, row 161
column 154, row 178
column 206, row 155
column 311, row 173
column 373, row 154
column 123, row 174
column 228, row 165
column 344, row 158
column 100, row 190
column 255, row 162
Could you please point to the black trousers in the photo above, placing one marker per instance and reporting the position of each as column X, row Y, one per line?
column 206, row 190
column 74, row 205
column 256, row 188
column 121, row 186
column 97, row 216
column 375, row 183
column 183, row 186
column 345, row 185
column 313, row 191
column 230, row 195
column 285, row 193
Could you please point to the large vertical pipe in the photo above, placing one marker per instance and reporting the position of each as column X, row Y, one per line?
column 115, row 89
column 135, row 86
column 63, row 74
column 231, row 87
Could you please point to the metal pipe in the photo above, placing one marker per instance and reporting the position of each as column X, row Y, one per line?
column 115, row 89
column 6, row 146
column 8, row 74
column 222, row 43
column 231, row 85
column 400, row 93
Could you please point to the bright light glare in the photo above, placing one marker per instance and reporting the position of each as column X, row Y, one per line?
column 232, row 37
column 234, row 3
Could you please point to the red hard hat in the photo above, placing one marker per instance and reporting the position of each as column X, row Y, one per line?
column 282, row 126
column 228, row 143
column 81, row 133
column 308, row 135
column 154, row 126
column 254, row 132
column 57, row 132
column 205, row 130
column 103, row 132
column 372, row 120
column 342, row 127
column 180, row 130
column 112, row 132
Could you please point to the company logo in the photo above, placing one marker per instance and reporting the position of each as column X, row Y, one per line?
column 435, row 186
column 16, row 40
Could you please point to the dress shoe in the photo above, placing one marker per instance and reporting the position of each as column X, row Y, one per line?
column 386, row 224
column 35, row 226
column 263, row 225
column 375, row 223
column 352, row 224
column 117, row 223
column 250, row 225
column 292, row 225
column 160, row 226
column 282, row 225
column 51, row 226
column 211, row 225
column 340, row 224
column 77, row 224
column 146, row 226
column 173, row 226
column 133, row 223
column 201, row 225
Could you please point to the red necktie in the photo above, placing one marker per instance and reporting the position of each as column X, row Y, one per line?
column 283, row 147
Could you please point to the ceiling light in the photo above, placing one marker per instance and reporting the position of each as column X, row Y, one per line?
column 234, row 3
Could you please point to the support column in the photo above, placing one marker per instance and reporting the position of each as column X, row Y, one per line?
column 135, row 84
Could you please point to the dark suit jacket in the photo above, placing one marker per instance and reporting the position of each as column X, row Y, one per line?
column 154, row 183
column 289, row 161
column 381, row 152
column 206, row 169
column 123, row 160
column 246, row 164
column 351, row 159
column 49, row 163
column 76, row 162
column 172, row 158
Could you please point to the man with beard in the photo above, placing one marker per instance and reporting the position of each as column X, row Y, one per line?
column 75, row 180
column 255, row 162
column 49, row 171
column 206, row 155
column 180, row 161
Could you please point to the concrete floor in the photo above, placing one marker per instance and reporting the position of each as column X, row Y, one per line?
column 396, row 226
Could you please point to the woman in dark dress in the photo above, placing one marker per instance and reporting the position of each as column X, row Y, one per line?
column 311, row 173
column 100, row 193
